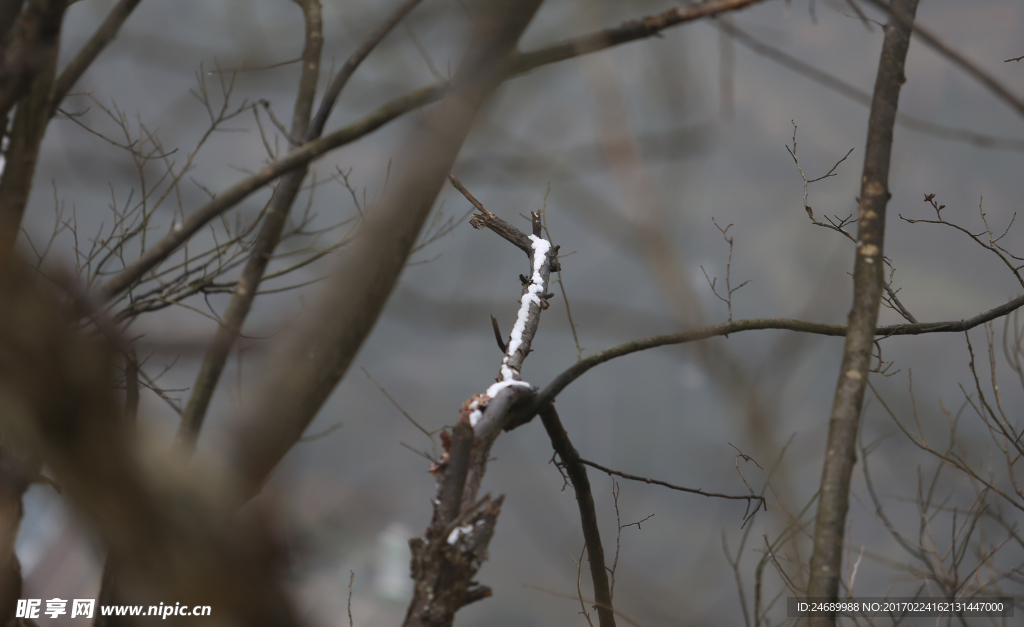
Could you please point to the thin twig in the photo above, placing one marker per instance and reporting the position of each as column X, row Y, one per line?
column 717, row 495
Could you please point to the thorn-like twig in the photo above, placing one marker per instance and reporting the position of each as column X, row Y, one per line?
column 497, row 335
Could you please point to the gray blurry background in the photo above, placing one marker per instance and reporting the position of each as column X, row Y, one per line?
column 663, row 135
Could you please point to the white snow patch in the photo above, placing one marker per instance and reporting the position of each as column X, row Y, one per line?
column 532, row 296
column 501, row 385
column 458, row 532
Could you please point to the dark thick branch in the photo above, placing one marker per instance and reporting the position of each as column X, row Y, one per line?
column 104, row 35
column 577, row 472
column 868, row 283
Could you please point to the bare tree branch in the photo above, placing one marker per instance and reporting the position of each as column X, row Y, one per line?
column 858, row 95
column 316, row 127
column 230, row 197
column 868, row 283
column 386, row 113
column 965, row 64
column 577, row 471
column 630, row 31
column 717, row 495
column 560, row 382
column 104, row 35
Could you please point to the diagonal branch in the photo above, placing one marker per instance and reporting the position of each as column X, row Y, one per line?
column 630, row 31
column 316, row 127
column 860, row 96
column 443, row 581
column 868, row 283
column 104, row 35
column 577, row 471
column 903, row 21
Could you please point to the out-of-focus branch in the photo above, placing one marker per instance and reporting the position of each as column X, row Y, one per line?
column 304, row 369
column 263, row 248
column 30, row 121
column 868, row 283
column 516, row 65
column 316, row 127
column 9, row 10
column 28, row 48
column 858, row 95
column 104, row 35
column 168, row 539
column 630, row 31
column 972, row 69
column 577, row 472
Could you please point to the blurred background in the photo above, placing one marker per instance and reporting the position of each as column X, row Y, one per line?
column 635, row 153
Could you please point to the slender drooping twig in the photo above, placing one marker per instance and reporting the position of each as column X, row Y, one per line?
column 868, row 284
column 717, row 495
